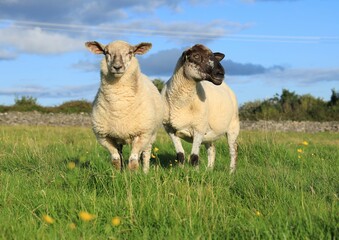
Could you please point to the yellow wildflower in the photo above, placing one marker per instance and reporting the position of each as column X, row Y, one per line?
column 116, row 221
column 257, row 213
column 71, row 165
column 299, row 156
column 305, row 143
column 300, row 150
column 85, row 216
column 156, row 149
column 153, row 156
column 72, row 226
column 48, row 219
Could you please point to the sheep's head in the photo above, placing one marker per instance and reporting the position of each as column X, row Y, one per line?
column 200, row 63
column 118, row 54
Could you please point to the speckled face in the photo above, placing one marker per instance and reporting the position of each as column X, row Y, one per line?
column 118, row 58
column 200, row 63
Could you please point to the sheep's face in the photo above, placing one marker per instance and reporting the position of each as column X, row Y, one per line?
column 200, row 63
column 118, row 57
column 118, row 54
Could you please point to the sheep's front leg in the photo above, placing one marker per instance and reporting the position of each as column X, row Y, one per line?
column 211, row 154
column 139, row 143
column 114, row 149
column 197, row 139
column 178, row 148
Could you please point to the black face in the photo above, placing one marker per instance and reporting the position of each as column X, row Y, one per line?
column 203, row 64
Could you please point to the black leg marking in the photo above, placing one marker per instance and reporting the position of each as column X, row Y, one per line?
column 194, row 159
column 180, row 157
column 120, row 154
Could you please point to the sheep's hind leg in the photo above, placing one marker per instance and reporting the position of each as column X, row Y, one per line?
column 146, row 155
column 114, row 149
column 138, row 145
column 211, row 154
column 233, row 146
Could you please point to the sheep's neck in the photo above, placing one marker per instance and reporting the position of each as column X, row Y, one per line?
column 116, row 89
column 182, row 89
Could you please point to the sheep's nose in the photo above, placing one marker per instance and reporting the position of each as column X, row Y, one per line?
column 117, row 67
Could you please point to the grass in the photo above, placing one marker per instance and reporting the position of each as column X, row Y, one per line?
column 48, row 175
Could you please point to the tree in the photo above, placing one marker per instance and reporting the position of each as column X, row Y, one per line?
column 334, row 98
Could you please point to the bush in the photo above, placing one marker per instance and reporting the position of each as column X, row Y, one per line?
column 78, row 106
column 25, row 104
column 290, row 106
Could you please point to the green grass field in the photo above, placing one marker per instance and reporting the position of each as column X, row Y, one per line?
column 283, row 189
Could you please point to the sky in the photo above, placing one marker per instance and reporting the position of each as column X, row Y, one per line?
column 269, row 45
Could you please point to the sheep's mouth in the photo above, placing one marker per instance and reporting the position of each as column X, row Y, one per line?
column 117, row 74
column 217, row 80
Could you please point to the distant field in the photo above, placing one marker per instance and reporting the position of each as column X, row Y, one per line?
column 57, row 183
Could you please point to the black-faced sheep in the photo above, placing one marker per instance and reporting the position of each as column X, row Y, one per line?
column 128, row 108
column 197, row 110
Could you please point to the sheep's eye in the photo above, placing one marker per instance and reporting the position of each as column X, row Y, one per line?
column 196, row 56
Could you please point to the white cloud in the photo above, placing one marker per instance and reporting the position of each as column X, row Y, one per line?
column 37, row 41
column 304, row 76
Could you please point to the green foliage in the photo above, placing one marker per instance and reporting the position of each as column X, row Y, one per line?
column 74, row 107
column 290, row 106
column 277, row 192
column 159, row 84
column 27, row 103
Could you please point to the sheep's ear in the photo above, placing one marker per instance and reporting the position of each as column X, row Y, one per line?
column 142, row 48
column 219, row 56
column 184, row 55
column 95, row 47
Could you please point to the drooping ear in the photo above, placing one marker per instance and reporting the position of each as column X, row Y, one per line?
column 219, row 56
column 95, row 47
column 142, row 48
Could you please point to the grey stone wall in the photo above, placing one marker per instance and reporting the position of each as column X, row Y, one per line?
column 84, row 119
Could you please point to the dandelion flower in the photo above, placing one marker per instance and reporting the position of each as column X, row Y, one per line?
column 305, row 143
column 156, row 149
column 85, row 216
column 300, row 150
column 116, row 221
column 71, row 165
column 72, row 226
column 257, row 213
column 299, row 156
column 48, row 219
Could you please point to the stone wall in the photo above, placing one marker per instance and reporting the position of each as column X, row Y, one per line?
column 83, row 119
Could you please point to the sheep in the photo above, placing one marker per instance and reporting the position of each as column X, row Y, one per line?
column 197, row 110
column 128, row 107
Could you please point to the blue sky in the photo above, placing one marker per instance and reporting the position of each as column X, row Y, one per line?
column 269, row 44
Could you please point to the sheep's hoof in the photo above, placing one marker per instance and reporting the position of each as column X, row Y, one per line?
column 133, row 165
column 194, row 159
column 116, row 164
column 180, row 158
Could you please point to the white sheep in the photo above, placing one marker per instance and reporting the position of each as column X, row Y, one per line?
column 128, row 108
column 197, row 110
